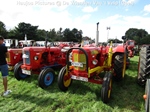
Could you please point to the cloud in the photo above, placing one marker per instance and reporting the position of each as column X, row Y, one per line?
column 120, row 24
column 89, row 9
column 147, row 8
column 130, row 1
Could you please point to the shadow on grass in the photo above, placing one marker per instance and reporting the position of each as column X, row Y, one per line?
column 29, row 79
column 40, row 101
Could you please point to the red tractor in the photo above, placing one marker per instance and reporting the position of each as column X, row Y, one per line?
column 15, row 56
column 129, row 46
column 89, row 63
column 143, row 76
column 42, row 61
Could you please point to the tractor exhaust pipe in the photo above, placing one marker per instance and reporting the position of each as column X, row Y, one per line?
column 97, row 35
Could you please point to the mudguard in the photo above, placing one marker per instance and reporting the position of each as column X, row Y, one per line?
column 119, row 48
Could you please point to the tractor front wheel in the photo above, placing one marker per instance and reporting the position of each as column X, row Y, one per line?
column 17, row 64
column 119, row 66
column 18, row 72
column 46, row 77
column 64, row 79
column 106, row 87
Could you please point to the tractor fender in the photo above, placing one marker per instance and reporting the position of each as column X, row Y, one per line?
column 119, row 48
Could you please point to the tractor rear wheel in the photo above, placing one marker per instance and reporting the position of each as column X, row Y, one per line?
column 147, row 93
column 119, row 66
column 143, row 65
column 18, row 72
column 64, row 80
column 106, row 87
column 46, row 77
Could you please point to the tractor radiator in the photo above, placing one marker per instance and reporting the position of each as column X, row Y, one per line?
column 79, row 61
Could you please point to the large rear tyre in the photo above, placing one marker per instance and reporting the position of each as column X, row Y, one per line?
column 64, row 79
column 143, row 65
column 147, row 93
column 119, row 66
column 18, row 72
column 46, row 78
column 106, row 87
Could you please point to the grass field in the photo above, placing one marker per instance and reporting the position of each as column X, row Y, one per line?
column 80, row 97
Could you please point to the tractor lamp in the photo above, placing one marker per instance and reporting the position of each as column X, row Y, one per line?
column 95, row 61
column 25, row 56
column 35, row 57
column 15, row 57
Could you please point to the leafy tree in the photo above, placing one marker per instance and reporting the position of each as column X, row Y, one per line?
column 52, row 35
column 136, row 34
column 12, row 34
column 114, row 40
column 3, row 31
column 131, row 33
column 67, row 35
column 74, row 35
column 59, row 35
column 28, row 29
column 42, row 34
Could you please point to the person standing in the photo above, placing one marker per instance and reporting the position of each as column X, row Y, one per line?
column 3, row 65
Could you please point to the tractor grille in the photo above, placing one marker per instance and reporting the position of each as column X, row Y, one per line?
column 27, row 60
column 79, row 58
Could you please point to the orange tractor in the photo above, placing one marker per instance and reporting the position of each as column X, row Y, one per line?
column 88, row 63
column 42, row 61
column 143, row 77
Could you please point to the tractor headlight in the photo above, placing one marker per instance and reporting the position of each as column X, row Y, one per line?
column 35, row 57
column 95, row 61
column 25, row 56
column 15, row 57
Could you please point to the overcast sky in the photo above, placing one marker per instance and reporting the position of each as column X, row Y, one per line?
column 119, row 15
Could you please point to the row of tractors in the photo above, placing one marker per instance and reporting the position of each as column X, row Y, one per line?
column 86, row 63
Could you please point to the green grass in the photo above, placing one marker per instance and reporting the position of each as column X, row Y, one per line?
column 80, row 97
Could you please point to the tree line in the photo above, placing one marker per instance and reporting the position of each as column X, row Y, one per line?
column 33, row 33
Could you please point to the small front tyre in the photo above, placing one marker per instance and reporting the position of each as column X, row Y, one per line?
column 64, row 79
column 119, row 66
column 46, row 78
column 106, row 87
column 18, row 72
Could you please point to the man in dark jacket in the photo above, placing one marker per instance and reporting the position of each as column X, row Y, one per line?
column 3, row 65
